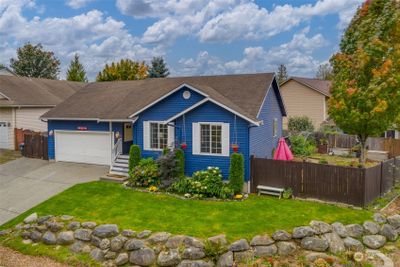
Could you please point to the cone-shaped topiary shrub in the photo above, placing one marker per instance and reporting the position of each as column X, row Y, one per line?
column 134, row 156
column 180, row 156
column 236, row 173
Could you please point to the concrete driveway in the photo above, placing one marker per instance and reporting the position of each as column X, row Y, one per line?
column 24, row 182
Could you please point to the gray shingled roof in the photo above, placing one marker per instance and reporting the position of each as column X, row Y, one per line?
column 118, row 100
column 23, row 91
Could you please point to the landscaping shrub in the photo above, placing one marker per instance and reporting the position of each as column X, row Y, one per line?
column 134, row 156
column 180, row 156
column 168, row 167
column 302, row 146
column 207, row 183
column 298, row 124
column 146, row 173
column 236, row 173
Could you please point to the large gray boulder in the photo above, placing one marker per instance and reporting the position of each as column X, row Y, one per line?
column 354, row 230
column 379, row 218
column 134, row 244
column 95, row 241
column 193, row 253
column 303, row 231
column 218, row 240
column 240, row 245
column 122, row 259
column 105, row 243
column 265, row 251
column 5, row 232
column 394, row 221
column 371, row 228
column 281, row 235
column 159, row 238
column 31, row 218
column 336, row 244
column 49, row 238
column 321, row 227
column 169, row 258
column 106, row 230
column 117, row 243
column 144, row 234
column 314, row 244
column 286, row 248
column 128, row 233
column 262, row 240
column 89, row 225
column 189, row 241
column 65, row 238
column 97, row 254
column 79, row 247
column 74, row 225
column 353, row 244
column 374, row 241
column 35, row 236
column 110, row 255
column 143, row 257
column 54, row 226
column 83, row 234
column 389, row 232
column 42, row 219
column 175, row 241
column 225, row 260
column 340, row 229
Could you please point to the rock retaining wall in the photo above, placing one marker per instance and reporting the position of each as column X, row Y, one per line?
column 112, row 246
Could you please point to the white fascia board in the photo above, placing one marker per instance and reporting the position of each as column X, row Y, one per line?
column 187, row 110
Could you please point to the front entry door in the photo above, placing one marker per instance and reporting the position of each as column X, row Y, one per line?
column 128, row 137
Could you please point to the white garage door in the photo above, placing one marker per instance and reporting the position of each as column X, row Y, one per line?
column 4, row 135
column 83, row 147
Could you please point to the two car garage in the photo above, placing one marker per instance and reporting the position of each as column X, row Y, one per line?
column 92, row 147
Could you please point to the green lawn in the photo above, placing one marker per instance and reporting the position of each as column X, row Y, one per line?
column 105, row 202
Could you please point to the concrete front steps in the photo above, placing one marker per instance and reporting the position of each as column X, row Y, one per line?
column 120, row 166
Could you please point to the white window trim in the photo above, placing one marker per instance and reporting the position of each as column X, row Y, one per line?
column 225, row 149
column 171, row 135
column 275, row 130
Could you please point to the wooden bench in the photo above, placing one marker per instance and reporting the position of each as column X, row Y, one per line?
column 269, row 190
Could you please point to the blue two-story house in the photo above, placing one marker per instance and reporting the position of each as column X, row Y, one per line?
column 210, row 117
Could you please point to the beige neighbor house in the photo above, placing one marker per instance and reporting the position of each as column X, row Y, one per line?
column 306, row 97
column 23, row 100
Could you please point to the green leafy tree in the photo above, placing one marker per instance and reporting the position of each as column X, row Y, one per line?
column 366, row 85
column 324, row 72
column 125, row 69
column 236, row 173
column 282, row 75
column 298, row 124
column 34, row 61
column 158, row 68
column 76, row 72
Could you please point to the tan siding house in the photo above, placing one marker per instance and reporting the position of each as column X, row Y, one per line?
column 306, row 97
column 24, row 100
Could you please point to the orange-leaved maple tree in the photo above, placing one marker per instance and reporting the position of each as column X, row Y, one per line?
column 366, row 84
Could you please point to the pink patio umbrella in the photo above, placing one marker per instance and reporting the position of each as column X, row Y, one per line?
column 283, row 152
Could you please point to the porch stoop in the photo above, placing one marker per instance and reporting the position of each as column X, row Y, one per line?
column 120, row 166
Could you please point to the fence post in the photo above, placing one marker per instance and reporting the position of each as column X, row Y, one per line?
column 381, row 179
column 251, row 173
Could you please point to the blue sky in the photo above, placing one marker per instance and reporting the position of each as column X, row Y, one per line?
column 196, row 37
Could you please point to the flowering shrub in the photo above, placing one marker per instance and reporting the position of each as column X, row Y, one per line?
column 144, row 174
column 207, row 183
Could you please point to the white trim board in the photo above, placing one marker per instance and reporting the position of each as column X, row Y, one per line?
column 187, row 110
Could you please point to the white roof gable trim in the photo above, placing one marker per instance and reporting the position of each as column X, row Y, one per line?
column 258, row 123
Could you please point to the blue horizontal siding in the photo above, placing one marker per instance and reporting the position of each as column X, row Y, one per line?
column 262, row 141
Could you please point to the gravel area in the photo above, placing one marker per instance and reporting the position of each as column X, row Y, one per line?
column 11, row 258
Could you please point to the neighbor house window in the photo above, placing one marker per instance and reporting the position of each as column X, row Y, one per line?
column 275, row 127
column 158, row 135
column 211, row 138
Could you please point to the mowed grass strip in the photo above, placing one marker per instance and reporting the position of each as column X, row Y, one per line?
column 105, row 202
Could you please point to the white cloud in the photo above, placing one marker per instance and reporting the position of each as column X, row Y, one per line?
column 297, row 55
column 78, row 3
column 97, row 38
column 228, row 20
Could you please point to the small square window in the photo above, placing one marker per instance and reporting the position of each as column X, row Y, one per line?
column 158, row 135
column 211, row 138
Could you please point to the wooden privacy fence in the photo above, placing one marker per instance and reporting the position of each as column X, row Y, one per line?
column 35, row 146
column 354, row 186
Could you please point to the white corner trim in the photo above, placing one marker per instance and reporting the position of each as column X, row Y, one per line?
column 168, row 94
column 187, row 110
